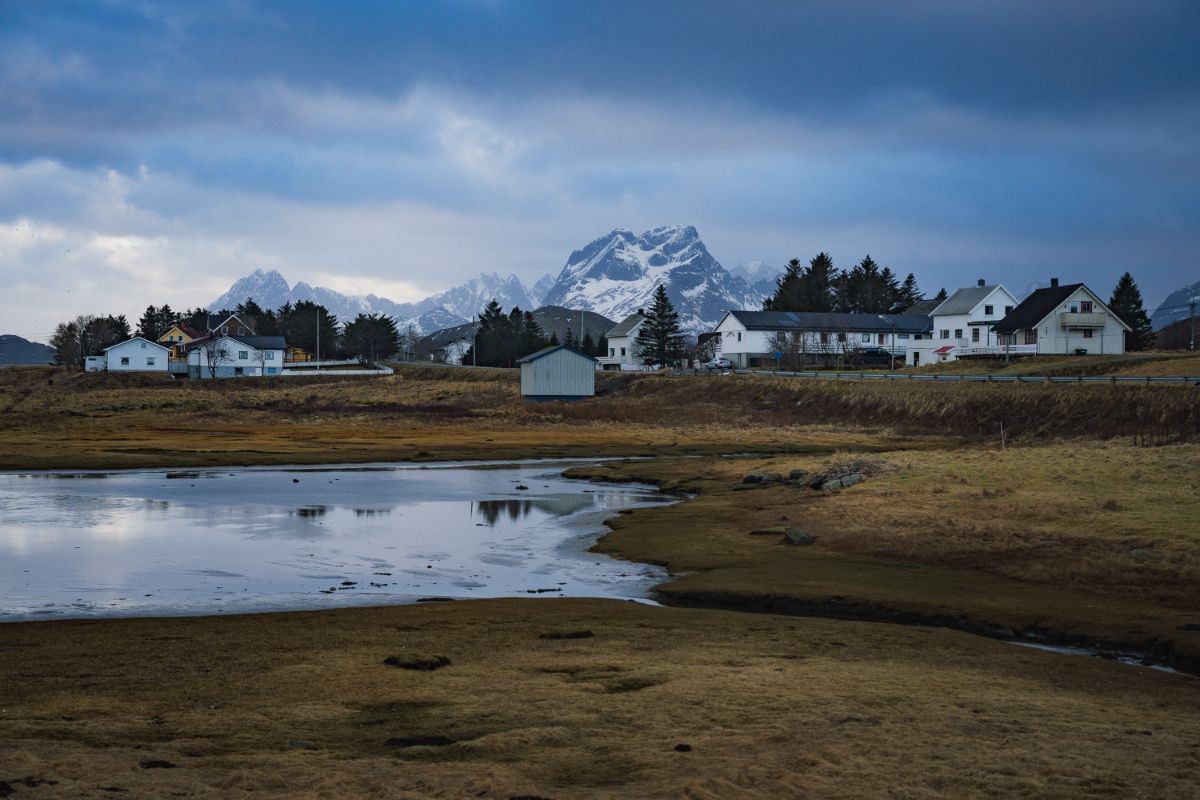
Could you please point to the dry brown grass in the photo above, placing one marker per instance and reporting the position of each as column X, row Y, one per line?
column 1097, row 540
column 301, row 705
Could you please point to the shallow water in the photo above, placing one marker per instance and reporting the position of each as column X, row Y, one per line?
column 214, row 541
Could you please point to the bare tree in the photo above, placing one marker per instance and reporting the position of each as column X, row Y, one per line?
column 215, row 354
column 794, row 345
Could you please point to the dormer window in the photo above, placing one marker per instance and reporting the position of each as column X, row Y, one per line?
column 987, row 310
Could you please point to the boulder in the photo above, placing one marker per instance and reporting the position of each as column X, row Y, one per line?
column 797, row 475
column 844, row 482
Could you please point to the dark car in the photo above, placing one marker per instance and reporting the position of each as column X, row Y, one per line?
column 871, row 357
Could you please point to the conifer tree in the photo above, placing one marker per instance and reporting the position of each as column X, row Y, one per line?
column 659, row 339
column 1126, row 303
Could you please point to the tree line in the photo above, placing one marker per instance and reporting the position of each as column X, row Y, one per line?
column 865, row 288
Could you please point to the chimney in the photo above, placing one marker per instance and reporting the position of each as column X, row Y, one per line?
column 982, row 282
column 1053, row 283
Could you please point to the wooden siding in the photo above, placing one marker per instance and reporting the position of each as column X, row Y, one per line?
column 559, row 374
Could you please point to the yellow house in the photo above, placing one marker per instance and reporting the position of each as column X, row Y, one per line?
column 175, row 338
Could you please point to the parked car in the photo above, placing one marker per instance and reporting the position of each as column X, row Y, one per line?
column 872, row 357
column 718, row 363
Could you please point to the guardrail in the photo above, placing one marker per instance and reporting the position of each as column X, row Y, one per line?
column 336, row 373
column 988, row 378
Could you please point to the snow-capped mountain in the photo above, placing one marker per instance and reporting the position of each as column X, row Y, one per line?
column 539, row 288
column 758, row 275
column 470, row 298
column 618, row 273
column 1176, row 306
column 454, row 306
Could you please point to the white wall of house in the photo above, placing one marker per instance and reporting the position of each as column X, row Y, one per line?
column 237, row 360
column 963, row 331
column 454, row 351
column 1057, row 336
column 622, row 352
column 739, row 345
column 137, row 355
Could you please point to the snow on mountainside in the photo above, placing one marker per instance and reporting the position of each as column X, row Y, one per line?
column 760, row 276
column 618, row 273
column 539, row 288
column 462, row 303
column 1176, row 306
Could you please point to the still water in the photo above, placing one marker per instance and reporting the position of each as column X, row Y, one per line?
column 219, row 541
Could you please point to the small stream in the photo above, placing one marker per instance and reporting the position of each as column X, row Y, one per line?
column 219, row 541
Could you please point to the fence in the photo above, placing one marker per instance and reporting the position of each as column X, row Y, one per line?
column 907, row 376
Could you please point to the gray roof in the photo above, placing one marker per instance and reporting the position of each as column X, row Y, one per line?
column 134, row 339
column 923, row 307
column 623, row 327
column 963, row 301
column 832, row 321
column 545, row 351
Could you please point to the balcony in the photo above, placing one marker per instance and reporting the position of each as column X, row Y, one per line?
column 997, row 350
column 1075, row 319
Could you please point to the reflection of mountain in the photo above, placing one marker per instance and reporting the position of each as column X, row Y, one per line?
column 555, row 505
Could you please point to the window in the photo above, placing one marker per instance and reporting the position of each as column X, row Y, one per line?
column 243, row 355
column 1031, row 336
column 739, row 336
column 974, row 334
column 1085, row 306
column 945, row 333
column 622, row 351
column 270, row 355
column 1087, row 334
column 987, row 310
column 867, row 338
column 1007, row 310
column 1074, row 308
column 143, row 345
column 905, row 336
column 612, row 352
column 958, row 333
column 824, row 338
column 270, row 370
column 239, row 371
column 841, row 337
column 150, row 361
column 882, row 338
column 224, row 329
column 124, row 361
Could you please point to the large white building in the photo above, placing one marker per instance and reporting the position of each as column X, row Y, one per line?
column 137, row 355
column 236, row 356
column 622, row 344
column 1062, row 320
column 752, row 338
column 962, row 325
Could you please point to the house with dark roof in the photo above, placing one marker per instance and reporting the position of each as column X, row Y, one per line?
column 752, row 338
column 558, row 372
column 962, row 325
column 220, row 356
column 622, row 344
column 1062, row 319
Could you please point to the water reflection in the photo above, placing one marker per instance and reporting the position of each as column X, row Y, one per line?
column 208, row 541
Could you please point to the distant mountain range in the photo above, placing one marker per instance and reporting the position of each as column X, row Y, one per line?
column 1177, row 306
column 614, row 276
column 15, row 350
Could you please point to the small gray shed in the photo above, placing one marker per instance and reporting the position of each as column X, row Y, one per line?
column 558, row 372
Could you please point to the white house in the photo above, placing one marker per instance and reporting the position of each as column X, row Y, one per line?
column 962, row 325
column 558, row 372
column 751, row 338
column 136, row 355
column 622, row 344
column 236, row 356
column 1062, row 320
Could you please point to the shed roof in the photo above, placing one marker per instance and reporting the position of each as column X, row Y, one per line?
column 832, row 321
column 626, row 325
column 1033, row 309
column 963, row 301
column 545, row 351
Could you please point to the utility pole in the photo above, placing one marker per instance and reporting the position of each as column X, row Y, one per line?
column 318, row 311
column 1192, row 315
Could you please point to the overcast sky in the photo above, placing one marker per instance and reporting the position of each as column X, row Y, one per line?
column 154, row 152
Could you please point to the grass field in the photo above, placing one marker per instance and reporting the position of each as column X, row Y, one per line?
column 1082, row 527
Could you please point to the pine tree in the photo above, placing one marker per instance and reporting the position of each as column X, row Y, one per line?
column 789, row 289
column 818, row 283
column 659, row 339
column 1126, row 303
column 908, row 295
